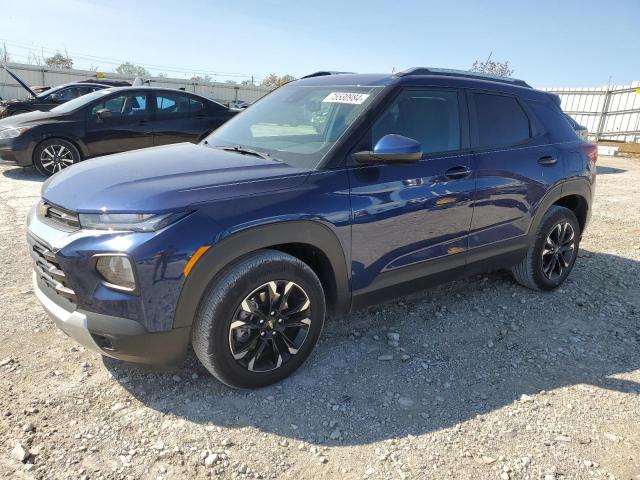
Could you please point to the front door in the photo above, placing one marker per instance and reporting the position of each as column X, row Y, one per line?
column 129, row 127
column 410, row 220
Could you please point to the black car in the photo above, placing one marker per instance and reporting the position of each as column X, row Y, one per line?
column 107, row 121
column 46, row 99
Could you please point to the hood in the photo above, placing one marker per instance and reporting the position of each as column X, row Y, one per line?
column 19, row 80
column 28, row 118
column 168, row 178
column 17, row 101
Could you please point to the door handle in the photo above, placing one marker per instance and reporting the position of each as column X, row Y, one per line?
column 142, row 121
column 455, row 173
column 547, row 160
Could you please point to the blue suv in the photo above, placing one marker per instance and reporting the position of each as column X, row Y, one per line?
column 331, row 192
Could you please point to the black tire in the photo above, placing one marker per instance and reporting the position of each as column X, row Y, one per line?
column 54, row 155
column 533, row 271
column 226, row 301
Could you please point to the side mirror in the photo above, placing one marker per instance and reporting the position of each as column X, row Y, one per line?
column 391, row 148
column 103, row 114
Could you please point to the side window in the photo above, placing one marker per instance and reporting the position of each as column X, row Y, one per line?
column 196, row 105
column 499, row 120
column 429, row 116
column 131, row 104
column 557, row 125
column 171, row 104
column 65, row 94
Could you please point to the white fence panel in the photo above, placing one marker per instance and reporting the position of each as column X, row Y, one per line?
column 609, row 113
column 34, row 75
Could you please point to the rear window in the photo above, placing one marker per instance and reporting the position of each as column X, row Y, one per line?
column 555, row 122
column 499, row 121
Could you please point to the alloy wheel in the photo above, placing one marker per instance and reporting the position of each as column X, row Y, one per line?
column 270, row 326
column 559, row 249
column 54, row 158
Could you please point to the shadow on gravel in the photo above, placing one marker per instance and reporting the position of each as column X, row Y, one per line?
column 608, row 170
column 474, row 346
column 24, row 173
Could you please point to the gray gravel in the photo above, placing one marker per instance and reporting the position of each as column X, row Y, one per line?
column 479, row 379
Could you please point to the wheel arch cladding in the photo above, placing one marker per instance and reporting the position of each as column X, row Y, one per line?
column 578, row 205
column 309, row 241
column 575, row 195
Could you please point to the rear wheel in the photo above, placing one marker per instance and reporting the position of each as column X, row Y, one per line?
column 54, row 155
column 260, row 320
column 552, row 254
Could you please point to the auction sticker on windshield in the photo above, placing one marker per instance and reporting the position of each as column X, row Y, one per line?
column 346, row 97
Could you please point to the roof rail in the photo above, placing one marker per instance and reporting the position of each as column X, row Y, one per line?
column 462, row 73
column 324, row 73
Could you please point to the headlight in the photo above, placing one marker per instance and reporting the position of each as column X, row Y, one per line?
column 117, row 271
column 137, row 222
column 12, row 132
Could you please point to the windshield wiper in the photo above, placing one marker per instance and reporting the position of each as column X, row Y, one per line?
column 244, row 151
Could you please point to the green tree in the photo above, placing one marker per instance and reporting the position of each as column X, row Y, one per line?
column 492, row 67
column 128, row 68
column 59, row 61
column 201, row 79
column 274, row 81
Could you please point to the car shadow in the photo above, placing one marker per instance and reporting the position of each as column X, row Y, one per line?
column 472, row 346
column 608, row 170
column 28, row 174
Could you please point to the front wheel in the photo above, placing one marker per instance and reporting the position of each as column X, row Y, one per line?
column 53, row 155
column 259, row 321
column 551, row 256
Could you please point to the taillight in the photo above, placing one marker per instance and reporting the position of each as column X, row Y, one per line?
column 591, row 151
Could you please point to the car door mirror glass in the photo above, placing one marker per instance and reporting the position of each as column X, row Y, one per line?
column 391, row 148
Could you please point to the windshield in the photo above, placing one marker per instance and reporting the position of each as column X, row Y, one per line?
column 49, row 91
column 80, row 102
column 296, row 124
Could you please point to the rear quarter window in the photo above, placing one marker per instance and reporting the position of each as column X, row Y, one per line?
column 554, row 122
column 499, row 120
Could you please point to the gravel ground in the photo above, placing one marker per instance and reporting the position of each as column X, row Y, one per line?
column 479, row 378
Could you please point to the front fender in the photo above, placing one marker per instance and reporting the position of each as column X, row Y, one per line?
column 223, row 253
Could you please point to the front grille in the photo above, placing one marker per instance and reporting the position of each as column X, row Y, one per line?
column 48, row 270
column 59, row 217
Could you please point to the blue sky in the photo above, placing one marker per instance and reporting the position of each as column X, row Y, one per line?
column 548, row 43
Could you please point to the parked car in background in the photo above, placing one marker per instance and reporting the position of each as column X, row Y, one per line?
column 582, row 131
column 110, row 82
column 39, row 88
column 238, row 104
column 109, row 120
column 47, row 98
column 240, row 244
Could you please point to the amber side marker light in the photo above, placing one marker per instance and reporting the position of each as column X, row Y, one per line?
column 194, row 258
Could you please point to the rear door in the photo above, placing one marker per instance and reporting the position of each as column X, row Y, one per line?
column 514, row 166
column 128, row 128
column 179, row 117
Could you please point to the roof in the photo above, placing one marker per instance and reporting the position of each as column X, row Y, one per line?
column 421, row 76
column 155, row 89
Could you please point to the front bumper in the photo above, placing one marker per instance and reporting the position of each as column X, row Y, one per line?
column 115, row 337
column 112, row 323
column 16, row 151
